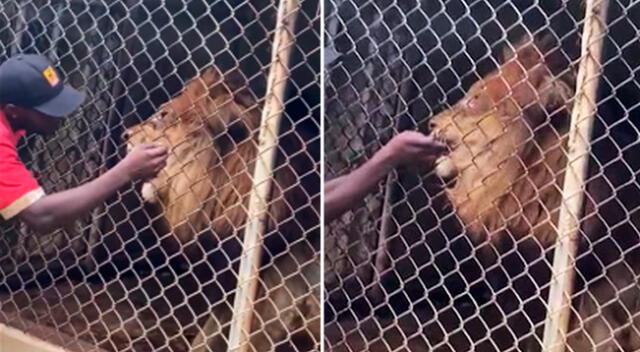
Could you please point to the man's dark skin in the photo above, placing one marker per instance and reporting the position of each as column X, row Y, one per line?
column 406, row 149
column 55, row 210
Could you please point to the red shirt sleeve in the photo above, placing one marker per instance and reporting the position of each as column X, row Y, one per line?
column 18, row 188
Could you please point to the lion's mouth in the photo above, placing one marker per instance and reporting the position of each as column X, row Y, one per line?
column 149, row 193
column 444, row 166
column 446, row 170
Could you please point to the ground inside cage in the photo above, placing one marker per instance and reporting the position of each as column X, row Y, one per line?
column 450, row 328
column 163, row 307
column 122, row 315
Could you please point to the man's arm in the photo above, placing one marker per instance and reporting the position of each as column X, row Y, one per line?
column 58, row 209
column 344, row 192
column 407, row 148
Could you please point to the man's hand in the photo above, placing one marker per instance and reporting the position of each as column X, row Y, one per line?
column 143, row 162
column 411, row 148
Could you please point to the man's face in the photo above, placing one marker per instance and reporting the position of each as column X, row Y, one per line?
column 32, row 121
column 37, row 122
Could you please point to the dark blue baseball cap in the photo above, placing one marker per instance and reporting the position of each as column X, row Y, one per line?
column 30, row 81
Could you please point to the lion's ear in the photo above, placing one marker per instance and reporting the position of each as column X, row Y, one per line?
column 211, row 75
column 556, row 96
column 230, row 87
column 198, row 86
column 528, row 52
column 185, row 104
column 214, row 84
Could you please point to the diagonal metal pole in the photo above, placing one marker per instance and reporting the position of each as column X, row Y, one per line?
column 582, row 116
column 387, row 225
column 248, row 275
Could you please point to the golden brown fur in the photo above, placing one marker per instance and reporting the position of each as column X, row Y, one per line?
column 507, row 138
column 505, row 172
column 206, row 183
column 211, row 129
column 288, row 317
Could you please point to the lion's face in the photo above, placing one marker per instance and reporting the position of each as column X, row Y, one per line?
column 505, row 140
column 468, row 129
column 476, row 125
column 188, row 126
column 147, row 132
column 169, row 135
column 211, row 101
column 499, row 115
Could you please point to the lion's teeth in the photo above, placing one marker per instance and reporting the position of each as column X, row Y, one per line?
column 445, row 168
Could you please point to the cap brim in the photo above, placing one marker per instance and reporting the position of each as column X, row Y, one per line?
column 62, row 104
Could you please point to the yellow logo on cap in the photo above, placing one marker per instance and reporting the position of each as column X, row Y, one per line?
column 51, row 76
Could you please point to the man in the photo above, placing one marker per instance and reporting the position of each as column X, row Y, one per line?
column 33, row 99
column 408, row 148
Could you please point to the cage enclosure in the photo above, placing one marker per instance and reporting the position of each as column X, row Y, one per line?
column 432, row 262
column 121, row 279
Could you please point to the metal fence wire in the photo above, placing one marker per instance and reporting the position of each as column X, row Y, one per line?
column 155, row 268
column 459, row 256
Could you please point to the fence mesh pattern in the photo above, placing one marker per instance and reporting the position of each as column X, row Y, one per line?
column 155, row 267
column 457, row 256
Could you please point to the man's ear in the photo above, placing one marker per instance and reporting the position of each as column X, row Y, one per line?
column 11, row 111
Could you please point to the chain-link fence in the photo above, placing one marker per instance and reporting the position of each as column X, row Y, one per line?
column 458, row 256
column 155, row 268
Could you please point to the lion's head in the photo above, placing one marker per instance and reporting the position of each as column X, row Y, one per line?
column 209, row 130
column 506, row 140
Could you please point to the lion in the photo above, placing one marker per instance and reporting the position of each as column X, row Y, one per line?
column 211, row 132
column 208, row 177
column 504, row 174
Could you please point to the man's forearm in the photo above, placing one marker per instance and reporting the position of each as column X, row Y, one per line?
column 343, row 193
column 331, row 185
column 58, row 209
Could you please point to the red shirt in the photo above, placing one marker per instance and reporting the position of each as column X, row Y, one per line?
column 18, row 188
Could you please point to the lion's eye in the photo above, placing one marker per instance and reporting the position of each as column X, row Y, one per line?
column 472, row 103
column 475, row 104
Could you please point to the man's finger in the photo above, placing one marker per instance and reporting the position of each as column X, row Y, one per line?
column 437, row 148
column 428, row 151
column 159, row 165
column 159, row 158
column 431, row 144
column 155, row 151
column 425, row 140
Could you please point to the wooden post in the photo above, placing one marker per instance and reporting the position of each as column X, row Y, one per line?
column 248, row 275
column 563, row 273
